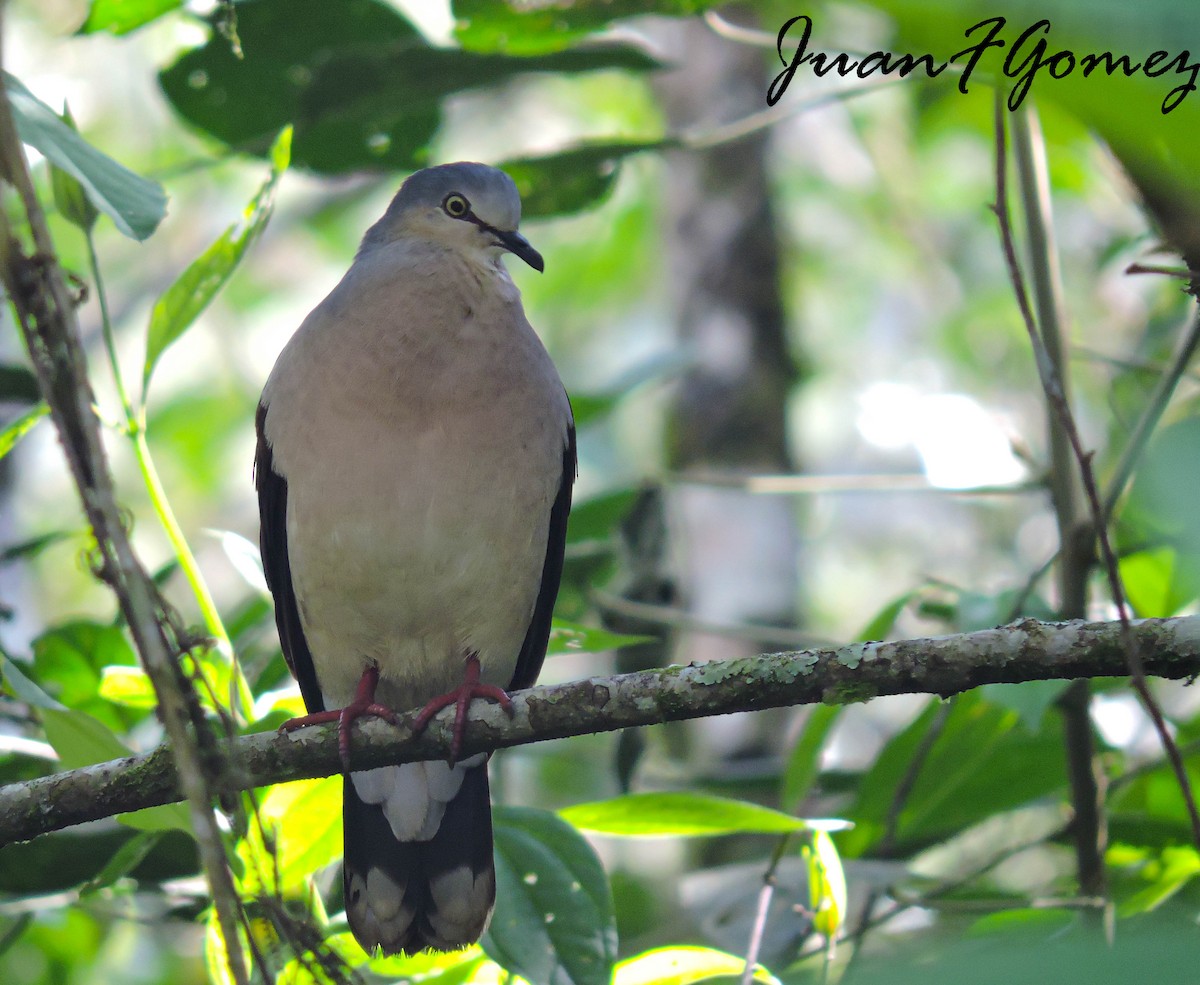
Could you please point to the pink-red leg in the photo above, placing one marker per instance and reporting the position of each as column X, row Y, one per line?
column 462, row 696
column 364, row 704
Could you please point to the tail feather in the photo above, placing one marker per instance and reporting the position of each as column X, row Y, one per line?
column 407, row 896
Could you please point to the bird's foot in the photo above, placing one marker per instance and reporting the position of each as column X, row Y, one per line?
column 461, row 697
column 364, row 704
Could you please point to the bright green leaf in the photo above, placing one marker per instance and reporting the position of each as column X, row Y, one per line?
column 184, row 300
column 684, row 966
column 681, row 814
column 1156, row 584
column 128, row 686
column 165, row 817
column 554, row 921
column 123, row 16
column 826, row 884
column 136, row 204
column 569, row 637
column 528, row 28
column 15, row 431
column 882, row 623
column 303, row 822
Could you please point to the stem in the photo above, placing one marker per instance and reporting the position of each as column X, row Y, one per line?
column 1090, row 830
column 135, row 429
column 187, row 560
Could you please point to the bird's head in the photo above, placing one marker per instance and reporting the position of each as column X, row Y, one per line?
column 469, row 207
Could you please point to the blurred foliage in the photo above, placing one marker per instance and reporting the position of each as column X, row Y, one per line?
column 892, row 275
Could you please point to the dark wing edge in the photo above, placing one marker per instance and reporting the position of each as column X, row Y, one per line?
column 272, row 543
column 537, row 637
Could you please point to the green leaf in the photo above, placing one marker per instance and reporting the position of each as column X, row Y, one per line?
column 304, row 833
column 882, row 623
column 15, row 431
column 597, row 518
column 81, row 740
column 1156, row 584
column 1168, row 874
column 122, row 16
column 573, row 179
column 982, row 761
column 69, row 659
column 128, row 686
column 527, row 28
column 165, row 817
column 804, row 763
column 554, row 921
column 69, row 196
column 18, row 384
column 680, row 814
column 569, row 637
column 184, row 300
column 127, row 858
column 22, row 687
column 1029, row 699
column 826, row 884
column 361, row 85
column 683, row 966
column 136, row 204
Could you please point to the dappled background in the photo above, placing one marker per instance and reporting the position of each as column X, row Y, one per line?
column 808, row 413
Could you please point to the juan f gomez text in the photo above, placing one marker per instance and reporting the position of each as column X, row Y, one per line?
column 1028, row 57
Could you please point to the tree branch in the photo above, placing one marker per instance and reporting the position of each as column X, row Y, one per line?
column 1024, row 651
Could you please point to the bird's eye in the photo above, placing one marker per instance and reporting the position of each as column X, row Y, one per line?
column 456, row 206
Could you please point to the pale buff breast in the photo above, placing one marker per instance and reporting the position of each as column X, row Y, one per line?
column 420, row 478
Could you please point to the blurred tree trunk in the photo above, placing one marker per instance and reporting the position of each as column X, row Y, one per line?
column 737, row 553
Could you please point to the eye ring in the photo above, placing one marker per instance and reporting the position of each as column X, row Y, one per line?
column 456, row 206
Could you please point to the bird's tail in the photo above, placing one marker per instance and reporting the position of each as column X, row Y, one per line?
column 419, row 871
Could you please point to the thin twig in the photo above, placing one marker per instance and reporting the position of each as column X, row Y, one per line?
column 754, row 946
column 1052, row 386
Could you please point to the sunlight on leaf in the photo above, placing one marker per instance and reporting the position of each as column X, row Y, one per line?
column 826, row 884
column 684, row 966
column 15, row 431
column 681, row 814
column 304, row 833
column 569, row 637
column 122, row 16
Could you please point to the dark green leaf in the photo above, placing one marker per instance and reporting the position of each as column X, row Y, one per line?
column 554, row 922
column 123, row 16
column 184, row 300
column 127, row 858
column 15, row 431
column 69, row 659
column 573, row 179
column 527, row 28
column 804, row 763
column 597, row 518
column 18, row 384
column 33, row 546
column 361, row 86
column 982, row 761
column 136, row 204
column 881, row 624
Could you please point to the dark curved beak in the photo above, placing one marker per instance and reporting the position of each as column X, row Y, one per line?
column 518, row 245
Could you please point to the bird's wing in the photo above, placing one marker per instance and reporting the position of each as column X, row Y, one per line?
column 533, row 650
column 272, row 540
